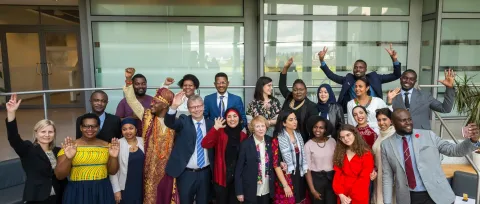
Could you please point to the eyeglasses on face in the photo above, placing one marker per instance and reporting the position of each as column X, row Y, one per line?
column 195, row 107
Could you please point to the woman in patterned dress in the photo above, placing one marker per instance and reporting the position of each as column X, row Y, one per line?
column 87, row 162
column 264, row 103
column 288, row 147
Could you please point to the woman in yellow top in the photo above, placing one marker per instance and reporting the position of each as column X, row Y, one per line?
column 87, row 162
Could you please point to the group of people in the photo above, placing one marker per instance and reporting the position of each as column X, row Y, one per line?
column 181, row 148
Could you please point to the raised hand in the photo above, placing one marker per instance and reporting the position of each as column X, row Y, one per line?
column 114, row 148
column 287, row 65
column 178, row 99
column 321, row 54
column 69, row 147
column 392, row 53
column 391, row 94
column 168, row 81
column 129, row 72
column 12, row 104
column 219, row 123
column 449, row 78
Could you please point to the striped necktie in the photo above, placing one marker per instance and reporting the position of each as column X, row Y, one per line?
column 200, row 152
column 221, row 106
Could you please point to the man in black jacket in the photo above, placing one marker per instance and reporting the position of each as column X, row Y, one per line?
column 109, row 124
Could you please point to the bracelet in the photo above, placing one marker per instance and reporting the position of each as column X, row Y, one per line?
column 128, row 82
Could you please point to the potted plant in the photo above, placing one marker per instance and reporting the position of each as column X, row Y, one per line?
column 468, row 103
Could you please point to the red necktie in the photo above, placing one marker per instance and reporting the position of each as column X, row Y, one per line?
column 408, row 165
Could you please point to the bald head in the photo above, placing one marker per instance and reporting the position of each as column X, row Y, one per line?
column 402, row 120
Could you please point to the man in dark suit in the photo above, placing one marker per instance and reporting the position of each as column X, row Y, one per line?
column 189, row 162
column 420, row 104
column 109, row 124
column 359, row 69
column 217, row 103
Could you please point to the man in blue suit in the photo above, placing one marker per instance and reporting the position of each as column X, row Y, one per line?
column 359, row 69
column 189, row 162
column 217, row 103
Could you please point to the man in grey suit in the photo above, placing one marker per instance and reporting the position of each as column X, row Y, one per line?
column 411, row 158
column 419, row 103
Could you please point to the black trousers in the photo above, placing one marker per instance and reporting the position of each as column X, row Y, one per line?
column 50, row 200
column 420, row 198
column 225, row 194
column 323, row 185
column 265, row 199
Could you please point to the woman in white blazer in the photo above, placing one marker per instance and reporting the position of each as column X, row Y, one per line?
column 127, row 183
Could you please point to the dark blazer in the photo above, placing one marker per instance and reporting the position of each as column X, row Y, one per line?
column 37, row 167
column 246, row 171
column 336, row 117
column 111, row 128
column 185, row 141
column 211, row 106
column 421, row 104
column 376, row 80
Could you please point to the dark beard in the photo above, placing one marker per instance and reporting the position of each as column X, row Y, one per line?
column 403, row 132
column 140, row 94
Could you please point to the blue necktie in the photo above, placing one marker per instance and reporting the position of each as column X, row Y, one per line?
column 221, row 106
column 200, row 153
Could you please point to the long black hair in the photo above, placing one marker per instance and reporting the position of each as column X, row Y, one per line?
column 282, row 118
column 258, row 95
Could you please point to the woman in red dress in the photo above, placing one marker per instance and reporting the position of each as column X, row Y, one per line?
column 353, row 163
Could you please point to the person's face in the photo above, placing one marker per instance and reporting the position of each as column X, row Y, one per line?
column 140, row 86
column 45, row 135
column 89, row 128
column 383, row 122
column 323, row 95
column 196, row 108
column 299, row 92
column 403, row 123
column 157, row 106
column 319, row 129
column 361, row 88
column 221, row 84
column 359, row 69
column 347, row 137
column 291, row 122
column 408, row 80
column 259, row 129
column 267, row 89
column 129, row 131
column 359, row 115
column 99, row 102
column 188, row 87
column 232, row 119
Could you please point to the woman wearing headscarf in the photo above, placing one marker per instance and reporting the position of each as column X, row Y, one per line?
column 226, row 141
column 127, row 183
column 158, row 142
column 328, row 107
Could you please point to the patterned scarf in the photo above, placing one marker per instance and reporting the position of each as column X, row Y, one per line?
column 288, row 152
column 267, row 163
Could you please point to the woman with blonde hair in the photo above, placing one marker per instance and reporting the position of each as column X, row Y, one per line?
column 38, row 158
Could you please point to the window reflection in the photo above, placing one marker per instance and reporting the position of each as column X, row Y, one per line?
column 160, row 50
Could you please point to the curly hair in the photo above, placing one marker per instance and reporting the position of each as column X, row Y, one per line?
column 359, row 145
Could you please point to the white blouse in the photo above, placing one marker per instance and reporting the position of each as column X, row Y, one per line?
column 118, row 180
column 375, row 104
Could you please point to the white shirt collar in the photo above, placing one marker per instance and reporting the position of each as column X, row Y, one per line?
column 201, row 121
column 225, row 95
column 409, row 92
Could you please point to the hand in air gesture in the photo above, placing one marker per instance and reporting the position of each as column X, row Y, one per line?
column 219, row 123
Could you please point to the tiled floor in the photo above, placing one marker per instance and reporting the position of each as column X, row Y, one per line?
column 64, row 119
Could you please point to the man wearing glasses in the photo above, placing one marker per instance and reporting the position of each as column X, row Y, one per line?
column 109, row 124
column 217, row 103
column 189, row 162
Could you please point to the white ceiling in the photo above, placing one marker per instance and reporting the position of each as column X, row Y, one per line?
column 41, row 2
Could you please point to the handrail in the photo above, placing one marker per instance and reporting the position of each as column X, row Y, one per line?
column 444, row 125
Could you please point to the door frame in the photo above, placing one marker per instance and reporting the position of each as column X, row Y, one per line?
column 41, row 30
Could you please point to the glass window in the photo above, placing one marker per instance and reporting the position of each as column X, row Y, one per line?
column 167, row 8
column 19, row 15
column 346, row 7
column 459, row 50
column 461, row 6
column 346, row 41
column 429, row 6
column 160, row 50
column 426, row 54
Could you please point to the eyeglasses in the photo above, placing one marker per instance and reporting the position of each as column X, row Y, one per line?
column 196, row 107
column 87, row 127
column 220, row 83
